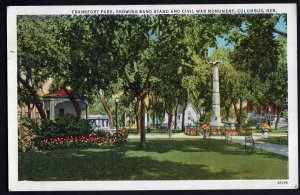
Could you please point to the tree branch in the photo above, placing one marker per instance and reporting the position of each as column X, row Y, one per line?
column 127, row 78
column 147, row 78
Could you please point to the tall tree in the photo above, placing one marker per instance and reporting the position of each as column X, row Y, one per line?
column 40, row 51
column 135, row 56
column 277, row 91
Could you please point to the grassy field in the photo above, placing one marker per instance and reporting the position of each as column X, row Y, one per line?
column 282, row 140
column 274, row 131
column 161, row 159
column 134, row 130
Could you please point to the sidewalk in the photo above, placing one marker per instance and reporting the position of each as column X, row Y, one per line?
column 274, row 148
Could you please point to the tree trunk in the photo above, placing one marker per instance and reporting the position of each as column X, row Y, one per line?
column 29, row 110
column 35, row 97
column 183, row 117
column 153, row 121
column 240, row 113
column 75, row 103
column 142, row 123
column 148, row 122
column 153, row 112
column 227, row 109
column 137, row 116
column 175, row 114
column 170, row 116
column 236, row 111
column 106, row 108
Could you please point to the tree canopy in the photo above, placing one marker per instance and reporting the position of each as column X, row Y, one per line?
column 161, row 58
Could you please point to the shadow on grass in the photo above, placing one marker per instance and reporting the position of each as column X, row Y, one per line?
column 111, row 162
column 109, row 165
column 198, row 145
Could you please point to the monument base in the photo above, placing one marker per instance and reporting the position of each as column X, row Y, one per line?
column 215, row 122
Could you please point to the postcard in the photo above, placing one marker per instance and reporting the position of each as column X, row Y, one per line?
column 152, row 97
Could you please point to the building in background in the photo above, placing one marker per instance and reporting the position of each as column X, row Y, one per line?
column 62, row 101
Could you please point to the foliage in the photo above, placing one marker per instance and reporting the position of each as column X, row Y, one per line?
column 39, row 52
column 257, row 51
column 96, row 108
column 25, row 136
column 62, row 126
column 164, row 57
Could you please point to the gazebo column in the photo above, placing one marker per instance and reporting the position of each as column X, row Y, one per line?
column 52, row 109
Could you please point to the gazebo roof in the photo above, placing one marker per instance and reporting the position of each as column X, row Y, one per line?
column 60, row 92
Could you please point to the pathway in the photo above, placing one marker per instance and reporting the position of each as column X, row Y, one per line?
column 274, row 148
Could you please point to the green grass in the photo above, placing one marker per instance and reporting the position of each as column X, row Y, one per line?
column 134, row 130
column 161, row 159
column 282, row 140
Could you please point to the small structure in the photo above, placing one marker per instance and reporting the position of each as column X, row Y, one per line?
column 99, row 122
column 62, row 102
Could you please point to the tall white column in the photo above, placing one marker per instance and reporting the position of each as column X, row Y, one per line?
column 215, row 113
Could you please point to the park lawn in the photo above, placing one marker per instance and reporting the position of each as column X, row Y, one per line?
column 281, row 140
column 161, row 159
column 134, row 130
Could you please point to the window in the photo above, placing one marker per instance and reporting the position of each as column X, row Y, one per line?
column 61, row 112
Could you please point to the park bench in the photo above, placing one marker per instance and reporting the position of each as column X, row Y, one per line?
column 249, row 139
column 226, row 136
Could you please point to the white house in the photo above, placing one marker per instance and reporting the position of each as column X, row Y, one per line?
column 191, row 115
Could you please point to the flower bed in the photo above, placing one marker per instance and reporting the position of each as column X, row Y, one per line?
column 190, row 131
column 72, row 141
column 231, row 132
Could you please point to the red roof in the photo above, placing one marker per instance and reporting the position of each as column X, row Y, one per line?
column 58, row 92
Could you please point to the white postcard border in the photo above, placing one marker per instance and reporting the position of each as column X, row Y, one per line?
column 15, row 185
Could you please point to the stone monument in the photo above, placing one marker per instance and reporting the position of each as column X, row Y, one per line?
column 215, row 112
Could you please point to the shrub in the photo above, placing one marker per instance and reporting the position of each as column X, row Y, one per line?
column 231, row 132
column 62, row 126
column 121, row 137
column 70, row 125
column 25, row 135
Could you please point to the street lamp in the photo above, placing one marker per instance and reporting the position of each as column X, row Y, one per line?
column 215, row 116
column 117, row 127
column 129, row 120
